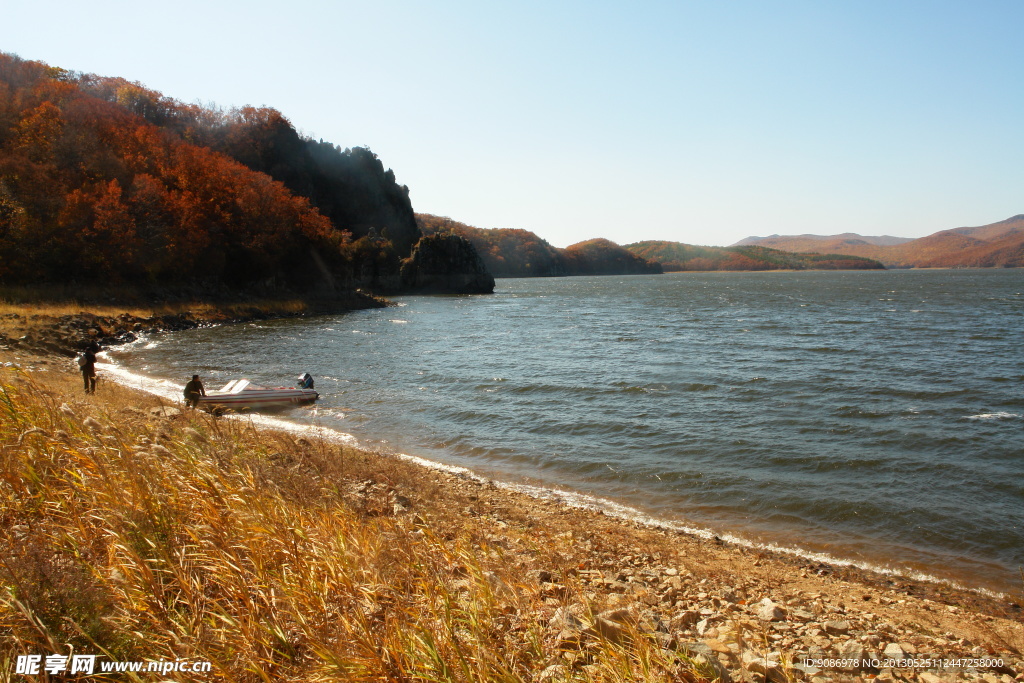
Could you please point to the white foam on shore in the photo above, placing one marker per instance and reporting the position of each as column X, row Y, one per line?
column 572, row 499
column 165, row 389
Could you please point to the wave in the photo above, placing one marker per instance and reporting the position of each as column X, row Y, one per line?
column 993, row 416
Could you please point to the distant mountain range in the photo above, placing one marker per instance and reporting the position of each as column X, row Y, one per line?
column 820, row 242
column 521, row 253
column 997, row 245
column 676, row 256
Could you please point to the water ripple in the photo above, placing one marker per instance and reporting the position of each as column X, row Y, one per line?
column 876, row 414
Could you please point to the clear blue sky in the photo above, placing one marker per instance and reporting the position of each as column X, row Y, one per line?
column 699, row 122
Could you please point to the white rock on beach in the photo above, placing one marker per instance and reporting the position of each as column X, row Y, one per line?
column 894, row 651
column 769, row 611
column 836, row 628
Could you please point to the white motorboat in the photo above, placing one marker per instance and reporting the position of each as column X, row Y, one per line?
column 241, row 394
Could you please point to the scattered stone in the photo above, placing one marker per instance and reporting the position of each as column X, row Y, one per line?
column 894, row 651
column 763, row 665
column 852, row 653
column 806, row 668
column 836, row 628
column 769, row 611
column 718, row 646
column 685, row 619
column 568, row 618
column 704, row 659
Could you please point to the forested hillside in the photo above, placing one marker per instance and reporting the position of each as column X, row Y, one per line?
column 604, row 257
column 675, row 256
column 506, row 252
column 521, row 253
column 105, row 180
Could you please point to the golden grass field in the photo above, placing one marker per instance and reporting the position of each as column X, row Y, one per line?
column 273, row 557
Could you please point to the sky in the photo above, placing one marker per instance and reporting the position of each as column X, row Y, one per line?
column 696, row 122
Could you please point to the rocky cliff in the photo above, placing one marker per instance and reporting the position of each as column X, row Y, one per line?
column 446, row 263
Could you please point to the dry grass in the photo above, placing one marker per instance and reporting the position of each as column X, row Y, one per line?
column 272, row 557
column 57, row 301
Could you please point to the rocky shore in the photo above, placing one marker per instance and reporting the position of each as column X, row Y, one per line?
column 731, row 613
column 752, row 615
column 68, row 333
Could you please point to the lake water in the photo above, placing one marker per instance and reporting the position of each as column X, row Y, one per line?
column 870, row 416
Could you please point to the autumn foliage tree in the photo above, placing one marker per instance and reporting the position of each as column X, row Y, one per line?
column 349, row 186
column 106, row 180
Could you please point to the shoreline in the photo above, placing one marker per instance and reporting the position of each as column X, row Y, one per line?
column 722, row 597
column 123, row 329
column 628, row 513
column 64, row 328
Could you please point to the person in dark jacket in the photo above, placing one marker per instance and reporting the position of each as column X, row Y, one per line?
column 88, row 366
column 193, row 390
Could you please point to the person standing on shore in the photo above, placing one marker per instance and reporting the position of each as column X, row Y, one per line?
column 193, row 390
column 88, row 366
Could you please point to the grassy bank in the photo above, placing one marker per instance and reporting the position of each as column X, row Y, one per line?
column 133, row 530
column 137, row 536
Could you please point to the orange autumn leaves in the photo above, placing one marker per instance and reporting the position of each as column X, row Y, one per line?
column 89, row 189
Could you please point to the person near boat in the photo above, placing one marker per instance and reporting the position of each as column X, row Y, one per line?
column 193, row 390
column 87, row 364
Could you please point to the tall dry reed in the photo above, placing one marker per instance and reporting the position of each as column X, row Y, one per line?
column 275, row 558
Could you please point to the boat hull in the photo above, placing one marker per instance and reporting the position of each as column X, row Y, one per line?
column 257, row 398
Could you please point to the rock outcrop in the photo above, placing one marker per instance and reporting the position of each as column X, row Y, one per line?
column 446, row 264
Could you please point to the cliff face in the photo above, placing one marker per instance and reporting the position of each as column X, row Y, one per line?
column 507, row 252
column 446, row 263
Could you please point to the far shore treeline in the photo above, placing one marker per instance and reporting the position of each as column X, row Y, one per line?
column 104, row 181
column 521, row 253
